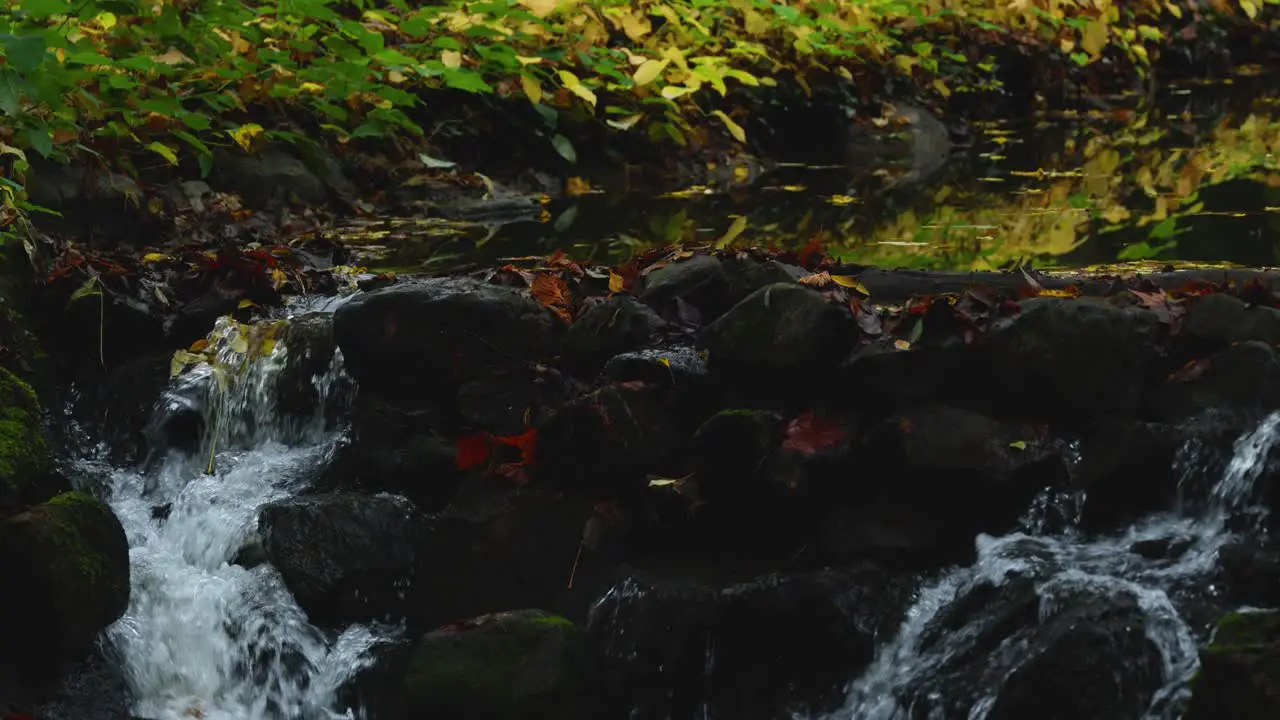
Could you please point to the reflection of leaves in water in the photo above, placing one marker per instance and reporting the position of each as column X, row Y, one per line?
column 1140, row 178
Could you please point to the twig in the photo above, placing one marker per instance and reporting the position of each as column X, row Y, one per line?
column 574, row 571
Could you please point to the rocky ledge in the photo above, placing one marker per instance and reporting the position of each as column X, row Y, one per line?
column 741, row 457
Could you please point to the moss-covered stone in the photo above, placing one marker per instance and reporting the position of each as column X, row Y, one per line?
column 64, row 565
column 517, row 665
column 26, row 475
column 1239, row 674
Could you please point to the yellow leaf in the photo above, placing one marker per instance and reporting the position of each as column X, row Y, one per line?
column 451, row 59
column 846, row 281
column 739, row 224
column 155, row 257
column 314, row 87
column 532, row 88
column 172, row 56
column 1250, row 8
column 245, row 135
column 671, row 92
column 636, row 27
column 528, row 60
column 1018, row 445
column 1094, row 37
column 395, row 76
column 575, row 186
column 541, row 8
column 755, row 22
column 649, row 71
column 246, row 303
column 616, row 282
column 625, row 123
column 576, row 87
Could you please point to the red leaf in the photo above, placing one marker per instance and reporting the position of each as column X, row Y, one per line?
column 472, row 450
column 809, row 434
column 526, row 441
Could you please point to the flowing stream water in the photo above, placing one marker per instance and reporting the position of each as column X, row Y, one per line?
column 205, row 637
column 1067, row 561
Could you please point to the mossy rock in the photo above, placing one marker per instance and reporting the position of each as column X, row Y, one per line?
column 64, row 565
column 26, row 464
column 520, row 665
column 1239, row 674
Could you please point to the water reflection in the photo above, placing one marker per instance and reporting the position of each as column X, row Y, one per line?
column 1194, row 177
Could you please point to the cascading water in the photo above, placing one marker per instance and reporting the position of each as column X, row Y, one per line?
column 203, row 636
column 1069, row 561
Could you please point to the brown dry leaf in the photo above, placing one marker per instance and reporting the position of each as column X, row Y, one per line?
column 552, row 291
column 172, row 56
column 820, row 279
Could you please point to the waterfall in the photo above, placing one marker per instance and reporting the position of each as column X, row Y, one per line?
column 205, row 637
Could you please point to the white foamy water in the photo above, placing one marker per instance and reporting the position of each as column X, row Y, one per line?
column 203, row 637
column 1069, row 561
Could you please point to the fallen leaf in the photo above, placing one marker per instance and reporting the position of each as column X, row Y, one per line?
column 472, row 450
column 821, row 279
column 809, row 434
column 846, row 281
column 552, row 291
column 575, row 186
column 616, row 282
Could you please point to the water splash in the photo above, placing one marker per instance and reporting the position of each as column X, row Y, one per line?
column 204, row 637
column 1064, row 560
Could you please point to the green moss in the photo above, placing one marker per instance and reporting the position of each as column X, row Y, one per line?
column 1243, row 631
column 73, row 555
column 25, row 459
column 508, row 665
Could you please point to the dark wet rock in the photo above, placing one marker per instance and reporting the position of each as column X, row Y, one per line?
column 345, row 557
column 1252, row 572
column 413, row 342
column 1238, row 670
column 617, row 325
column 92, row 689
column 1127, row 470
column 746, row 275
column 499, row 545
column 699, row 281
column 783, row 335
column 505, row 666
column 879, row 379
column 1065, row 359
column 177, row 421
column 1068, row 649
column 267, row 179
column 27, row 475
column 936, row 458
column 192, row 197
column 161, row 512
column 675, row 366
column 887, row 529
column 70, row 559
column 747, row 650
column 116, row 407
column 508, row 401
column 103, row 205
column 1223, row 319
column 251, row 554
column 606, row 441
column 731, row 451
column 393, row 450
column 309, row 348
column 1245, row 378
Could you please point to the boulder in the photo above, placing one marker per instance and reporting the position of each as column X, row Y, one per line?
column 678, row 367
column 1066, row 648
column 608, row 440
column 698, row 283
column 617, row 325
column 499, row 545
column 1126, row 470
column 389, row 449
column 679, row 649
column 508, row 401
column 1065, row 359
column 782, row 336
column 346, row 558
column 1238, row 670
column 267, row 179
column 308, row 387
column 505, row 666
column 1244, row 378
column 1221, row 319
column 412, row 343
column 27, row 475
column 65, row 567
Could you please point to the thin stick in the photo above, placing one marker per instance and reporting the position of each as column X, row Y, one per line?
column 574, row 571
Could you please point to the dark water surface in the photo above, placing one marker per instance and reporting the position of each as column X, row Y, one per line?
column 1191, row 176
